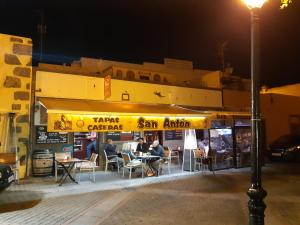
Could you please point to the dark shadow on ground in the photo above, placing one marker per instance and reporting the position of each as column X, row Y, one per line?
column 18, row 200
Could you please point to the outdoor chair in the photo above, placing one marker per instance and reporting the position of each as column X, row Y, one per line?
column 112, row 159
column 89, row 166
column 131, row 164
column 199, row 156
column 174, row 155
column 166, row 159
column 60, row 155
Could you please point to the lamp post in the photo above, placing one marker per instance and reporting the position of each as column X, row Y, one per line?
column 256, row 192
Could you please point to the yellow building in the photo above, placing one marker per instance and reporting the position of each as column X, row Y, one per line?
column 173, row 84
column 15, row 93
column 281, row 109
column 175, row 89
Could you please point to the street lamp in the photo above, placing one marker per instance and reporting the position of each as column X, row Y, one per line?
column 256, row 193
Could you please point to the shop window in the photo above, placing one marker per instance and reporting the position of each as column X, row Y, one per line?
column 130, row 75
column 221, row 144
column 119, row 74
column 156, row 78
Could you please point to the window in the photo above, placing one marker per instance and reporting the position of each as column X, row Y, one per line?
column 119, row 74
column 156, row 78
column 130, row 75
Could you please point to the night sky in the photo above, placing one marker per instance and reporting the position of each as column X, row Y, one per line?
column 149, row 30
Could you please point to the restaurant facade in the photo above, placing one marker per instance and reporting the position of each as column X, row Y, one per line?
column 83, row 108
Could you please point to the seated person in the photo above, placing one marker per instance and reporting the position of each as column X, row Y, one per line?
column 111, row 152
column 157, row 150
column 142, row 146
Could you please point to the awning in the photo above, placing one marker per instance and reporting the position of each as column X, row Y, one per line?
column 87, row 115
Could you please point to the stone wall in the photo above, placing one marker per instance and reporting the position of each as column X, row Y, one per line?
column 15, row 85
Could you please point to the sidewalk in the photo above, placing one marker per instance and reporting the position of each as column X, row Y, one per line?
column 176, row 199
column 41, row 188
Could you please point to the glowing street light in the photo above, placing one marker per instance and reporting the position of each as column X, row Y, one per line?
column 256, row 192
column 252, row 4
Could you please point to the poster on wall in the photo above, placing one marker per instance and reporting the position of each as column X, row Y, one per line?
column 44, row 137
column 173, row 135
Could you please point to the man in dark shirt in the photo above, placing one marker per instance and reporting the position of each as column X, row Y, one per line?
column 111, row 152
column 109, row 148
column 157, row 149
column 142, row 146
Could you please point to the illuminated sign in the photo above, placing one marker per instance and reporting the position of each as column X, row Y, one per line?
column 98, row 123
column 107, row 87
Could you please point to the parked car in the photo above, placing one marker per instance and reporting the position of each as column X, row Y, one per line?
column 6, row 176
column 286, row 148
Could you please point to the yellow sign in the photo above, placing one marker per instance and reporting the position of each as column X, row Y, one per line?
column 102, row 123
column 107, row 87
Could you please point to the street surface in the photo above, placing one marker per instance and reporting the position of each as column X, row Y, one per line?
column 192, row 199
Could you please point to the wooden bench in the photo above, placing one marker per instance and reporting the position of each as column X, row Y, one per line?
column 10, row 159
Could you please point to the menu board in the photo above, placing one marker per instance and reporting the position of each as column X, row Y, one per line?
column 119, row 136
column 44, row 137
column 115, row 136
column 173, row 135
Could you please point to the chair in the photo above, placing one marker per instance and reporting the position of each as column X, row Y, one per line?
column 173, row 154
column 112, row 159
column 88, row 166
column 130, row 164
column 166, row 159
column 199, row 160
column 60, row 155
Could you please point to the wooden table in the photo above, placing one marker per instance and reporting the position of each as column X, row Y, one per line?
column 68, row 165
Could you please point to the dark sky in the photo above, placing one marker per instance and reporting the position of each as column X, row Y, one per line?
column 149, row 30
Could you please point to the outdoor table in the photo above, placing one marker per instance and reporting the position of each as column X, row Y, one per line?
column 149, row 159
column 68, row 165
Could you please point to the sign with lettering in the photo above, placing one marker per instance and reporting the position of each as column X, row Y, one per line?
column 44, row 137
column 103, row 123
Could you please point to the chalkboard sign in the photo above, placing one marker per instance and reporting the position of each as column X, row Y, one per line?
column 44, row 137
column 115, row 136
column 173, row 135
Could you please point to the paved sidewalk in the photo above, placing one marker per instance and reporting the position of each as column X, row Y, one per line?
column 181, row 199
column 42, row 188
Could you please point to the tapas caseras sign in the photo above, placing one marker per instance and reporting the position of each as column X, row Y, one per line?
column 98, row 123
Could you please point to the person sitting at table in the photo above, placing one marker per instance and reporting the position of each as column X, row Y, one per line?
column 142, row 146
column 156, row 150
column 111, row 152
